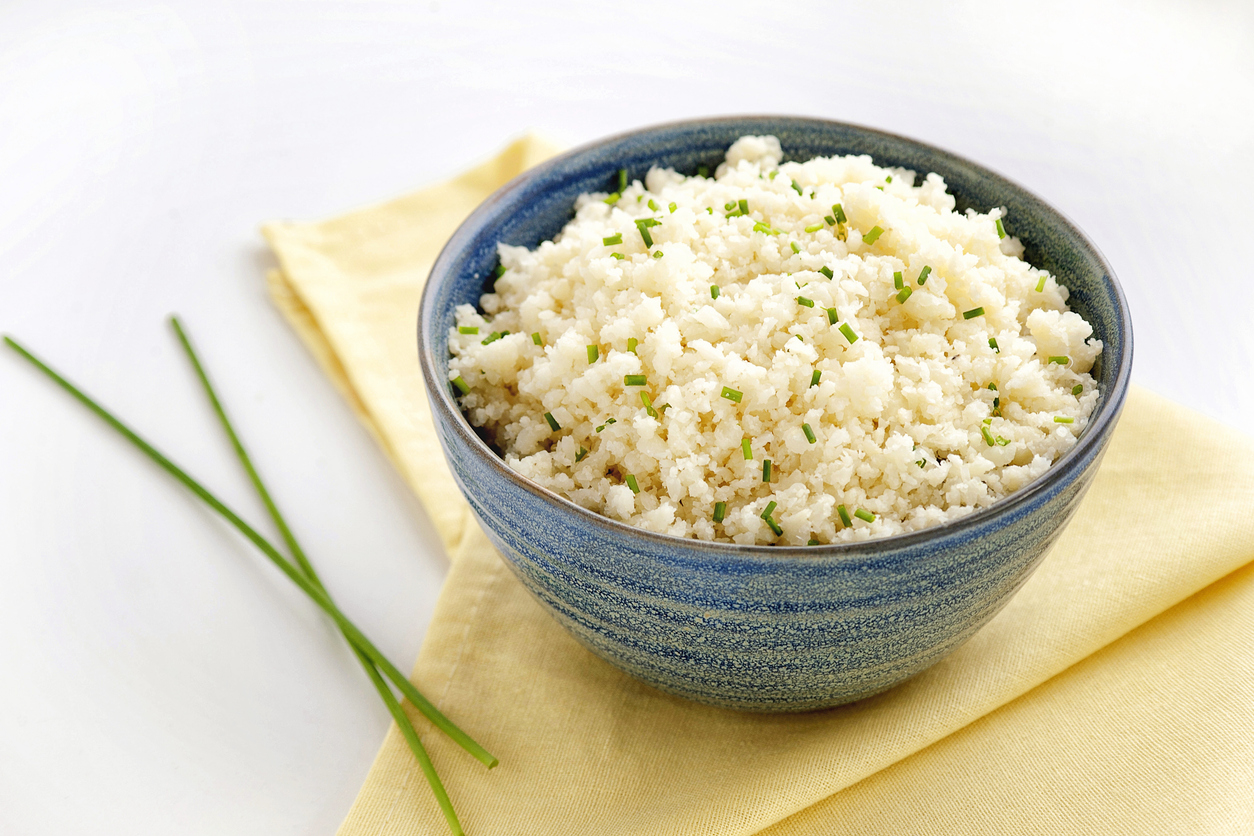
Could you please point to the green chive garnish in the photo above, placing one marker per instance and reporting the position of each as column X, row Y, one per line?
column 631, row 344
column 548, row 416
column 619, row 256
column 813, row 542
column 652, row 205
column 1040, row 286
column 766, row 470
column 973, row 313
column 731, row 394
column 831, row 316
column 1077, row 389
column 795, row 248
column 672, row 206
column 814, row 377
column 500, row 271
column 616, row 238
column 888, row 179
column 720, row 511
column 844, row 515
column 904, row 295
column 583, row 451
column 872, row 236
column 992, row 387
column 992, row 343
column 804, row 302
column 612, row 199
column 1059, row 419
column 988, row 437
column 535, row 338
column 770, row 508
column 897, row 279
column 810, row 437
column 468, row 329
column 829, row 220
column 1001, row 230
column 826, row 271
column 648, row 404
column 714, row 291
column 838, row 213
column 622, row 179
column 631, row 483
column 923, row 274
column 863, row 514
column 797, row 188
column 1061, row 360
column 848, row 332
column 814, row 227
column 461, row 384
column 703, row 171
column 744, row 206
column 634, row 380
column 593, row 353
column 643, row 225
column 729, row 205
column 1002, row 442
column 775, row 527
column 657, row 254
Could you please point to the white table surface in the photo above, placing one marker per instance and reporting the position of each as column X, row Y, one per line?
column 155, row 675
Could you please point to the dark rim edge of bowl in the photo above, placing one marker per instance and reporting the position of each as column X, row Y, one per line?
column 1099, row 424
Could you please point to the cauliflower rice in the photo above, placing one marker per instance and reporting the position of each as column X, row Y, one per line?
column 795, row 353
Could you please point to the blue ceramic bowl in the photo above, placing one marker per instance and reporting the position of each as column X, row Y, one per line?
column 764, row 628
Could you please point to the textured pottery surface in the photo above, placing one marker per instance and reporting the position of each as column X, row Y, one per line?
column 765, row 628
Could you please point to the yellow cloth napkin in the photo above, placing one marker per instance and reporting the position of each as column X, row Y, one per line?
column 1114, row 694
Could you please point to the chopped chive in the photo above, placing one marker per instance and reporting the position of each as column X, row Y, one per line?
column 798, row 336
column 1040, row 286
column 583, row 451
column 548, row 416
column 838, row 213
column 992, row 343
column 461, row 384
column 593, row 353
column 814, row 378
column 826, row 271
column 493, row 337
column 632, row 342
column 1059, row 419
column 1077, row 389
column 829, row 220
column 904, row 295
column 643, row 226
column 631, row 483
column 844, row 515
column 810, row 437
column 814, row 227
column 744, row 206
column 997, row 406
column 622, row 179
column 923, row 274
column 468, row 329
column 639, row 197
column 863, row 514
column 746, row 449
column 535, row 338
column 729, row 205
column 672, row 206
column 804, row 302
column 921, row 463
column 848, row 332
column 766, row 470
column 888, row 179
column 652, row 205
column 714, row 291
column 770, row 509
column 500, row 271
column 619, row 256
column 992, row 387
column 988, row 437
column 657, row 254
column 987, row 421
column 797, row 188
column 709, row 210
column 831, row 316
column 600, row 428
column 813, row 542
column 634, row 380
column 703, row 171
column 612, row 199
column 795, row 248
column 720, row 511
column 1061, row 360
column 1001, row 230
column 609, row 421
column 732, row 394
column 648, row 404
column 616, row 238
column 973, row 313
column 897, row 280
column 775, row 527
column 1002, row 442
column 872, row 236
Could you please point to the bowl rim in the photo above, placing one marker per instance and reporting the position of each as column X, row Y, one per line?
column 1062, row 470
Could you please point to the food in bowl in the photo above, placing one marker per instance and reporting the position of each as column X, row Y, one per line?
column 791, row 353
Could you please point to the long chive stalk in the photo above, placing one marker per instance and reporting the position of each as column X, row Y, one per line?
column 385, row 693
column 350, row 630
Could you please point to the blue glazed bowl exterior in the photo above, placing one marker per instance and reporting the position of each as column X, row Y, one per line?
column 763, row 628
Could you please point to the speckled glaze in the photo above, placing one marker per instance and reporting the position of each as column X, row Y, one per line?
column 762, row 628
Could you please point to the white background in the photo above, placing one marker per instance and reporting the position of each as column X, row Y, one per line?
column 155, row 675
